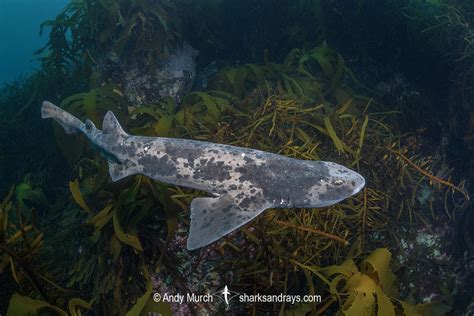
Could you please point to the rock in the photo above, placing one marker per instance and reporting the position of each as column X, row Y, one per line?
column 145, row 82
column 177, row 76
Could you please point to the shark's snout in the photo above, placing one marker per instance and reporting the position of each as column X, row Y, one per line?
column 353, row 181
column 359, row 182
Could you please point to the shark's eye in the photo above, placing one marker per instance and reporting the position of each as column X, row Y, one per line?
column 339, row 182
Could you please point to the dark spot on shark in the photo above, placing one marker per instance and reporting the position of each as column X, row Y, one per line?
column 245, row 203
column 247, row 159
column 154, row 166
column 190, row 163
column 174, row 149
column 213, row 171
column 129, row 150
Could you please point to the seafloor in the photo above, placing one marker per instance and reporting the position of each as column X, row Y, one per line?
column 381, row 87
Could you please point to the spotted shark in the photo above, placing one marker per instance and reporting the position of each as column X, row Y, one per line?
column 242, row 182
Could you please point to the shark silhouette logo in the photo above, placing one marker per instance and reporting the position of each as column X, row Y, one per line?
column 226, row 293
column 225, row 296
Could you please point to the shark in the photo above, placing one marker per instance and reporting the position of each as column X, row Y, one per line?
column 241, row 182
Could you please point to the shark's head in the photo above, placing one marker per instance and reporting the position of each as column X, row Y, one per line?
column 335, row 184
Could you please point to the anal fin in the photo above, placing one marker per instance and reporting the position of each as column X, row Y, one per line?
column 119, row 171
column 213, row 218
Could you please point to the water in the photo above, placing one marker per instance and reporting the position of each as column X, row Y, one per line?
column 19, row 34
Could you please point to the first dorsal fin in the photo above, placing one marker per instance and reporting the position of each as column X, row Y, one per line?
column 110, row 125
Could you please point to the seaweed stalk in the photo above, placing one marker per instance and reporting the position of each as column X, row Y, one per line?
column 316, row 231
column 27, row 269
column 429, row 175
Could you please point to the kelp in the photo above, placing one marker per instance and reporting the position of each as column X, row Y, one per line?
column 301, row 109
column 97, row 102
column 351, row 130
column 85, row 29
column 21, row 243
column 115, row 228
column 26, row 194
column 446, row 26
column 22, row 155
column 23, row 305
column 284, row 126
column 198, row 110
column 297, row 76
column 369, row 289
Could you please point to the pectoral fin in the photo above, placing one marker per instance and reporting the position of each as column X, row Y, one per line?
column 213, row 218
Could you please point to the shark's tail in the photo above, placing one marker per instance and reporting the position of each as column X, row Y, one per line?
column 70, row 123
column 111, row 133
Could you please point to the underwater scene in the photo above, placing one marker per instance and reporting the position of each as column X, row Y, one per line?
column 236, row 157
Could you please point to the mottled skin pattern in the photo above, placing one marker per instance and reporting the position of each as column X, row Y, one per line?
column 243, row 182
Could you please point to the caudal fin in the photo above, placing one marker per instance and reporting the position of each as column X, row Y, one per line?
column 70, row 123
